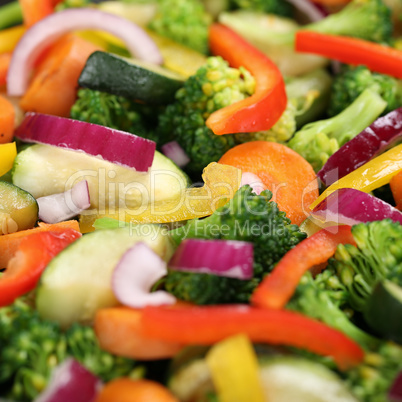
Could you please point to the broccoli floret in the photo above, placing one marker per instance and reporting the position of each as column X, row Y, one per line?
column 112, row 111
column 247, row 217
column 32, row 347
column 184, row 21
column 307, row 99
column 214, row 86
column 317, row 141
column 376, row 256
column 325, row 298
column 352, row 81
column 278, row 7
column 371, row 380
column 209, row 289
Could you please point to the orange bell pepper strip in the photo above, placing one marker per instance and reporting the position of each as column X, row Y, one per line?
column 259, row 111
column 4, row 63
column 34, row 10
column 206, row 325
column 277, row 288
column 396, row 188
column 53, row 89
column 379, row 58
column 33, row 254
column 9, row 243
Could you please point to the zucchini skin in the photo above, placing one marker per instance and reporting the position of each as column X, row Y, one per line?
column 112, row 74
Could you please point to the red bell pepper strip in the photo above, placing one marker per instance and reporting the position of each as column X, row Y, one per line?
column 205, row 325
column 277, row 288
column 33, row 254
column 259, row 111
column 376, row 57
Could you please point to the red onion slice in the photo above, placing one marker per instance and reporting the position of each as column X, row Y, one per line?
column 134, row 276
column 395, row 393
column 230, row 258
column 254, row 181
column 115, row 146
column 365, row 146
column 45, row 32
column 349, row 206
column 70, row 381
column 310, row 10
column 61, row 207
column 176, row 153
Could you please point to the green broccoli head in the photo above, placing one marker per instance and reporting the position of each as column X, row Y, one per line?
column 317, row 141
column 376, row 256
column 352, row 81
column 112, row 111
column 278, row 7
column 208, row 289
column 325, row 298
column 365, row 19
column 214, row 86
column 32, row 347
column 248, row 217
column 184, row 21
column 371, row 380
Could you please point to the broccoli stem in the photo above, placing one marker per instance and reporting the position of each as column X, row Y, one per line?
column 10, row 14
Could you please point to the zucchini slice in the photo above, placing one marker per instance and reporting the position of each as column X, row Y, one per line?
column 132, row 79
column 18, row 209
column 384, row 310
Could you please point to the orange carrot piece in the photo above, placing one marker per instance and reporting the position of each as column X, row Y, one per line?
column 34, row 10
column 7, row 120
column 10, row 243
column 4, row 63
column 118, row 332
column 53, row 88
column 277, row 288
column 396, row 188
column 283, row 171
column 128, row 390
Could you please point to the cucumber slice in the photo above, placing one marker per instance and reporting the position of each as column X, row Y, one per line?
column 44, row 169
column 132, row 79
column 18, row 209
column 77, row 282
column 384, row 310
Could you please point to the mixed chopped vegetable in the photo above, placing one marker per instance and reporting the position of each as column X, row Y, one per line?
column 200, row 200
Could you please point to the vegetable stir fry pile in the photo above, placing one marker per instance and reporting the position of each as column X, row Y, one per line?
column 201, row 200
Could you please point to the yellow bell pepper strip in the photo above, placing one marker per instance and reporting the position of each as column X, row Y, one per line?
column 235, row 372
column 206, row 325
column 373, row 174
column 8, row 152
column 221, row 183
column 259, row 111
column 379, row 58
column 9, row 38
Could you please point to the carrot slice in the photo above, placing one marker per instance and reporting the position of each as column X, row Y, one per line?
column 118, row 332
column 277, row 288
column 128, row 390
column 396, row 188
column 10, row 243
column 283, row 171
column 4, row 63
column 54, row 86
column 7, row 120
column 34, row 10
